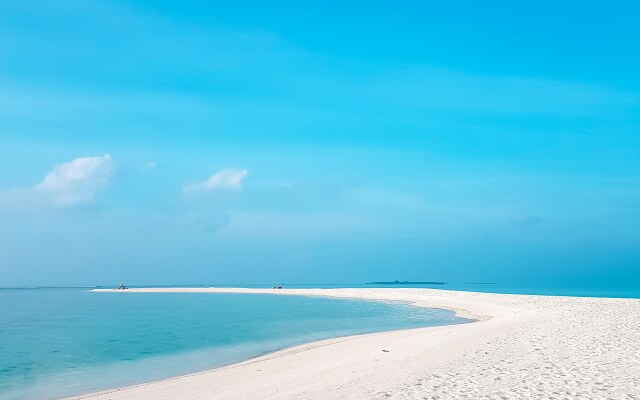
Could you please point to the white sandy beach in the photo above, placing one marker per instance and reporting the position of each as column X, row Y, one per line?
column 522, row 347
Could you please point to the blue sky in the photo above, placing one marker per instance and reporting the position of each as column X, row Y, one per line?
column 258, row 142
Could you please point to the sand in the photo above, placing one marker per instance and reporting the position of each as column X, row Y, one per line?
column 521, row 347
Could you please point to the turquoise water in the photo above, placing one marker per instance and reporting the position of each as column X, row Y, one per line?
column 61, row 342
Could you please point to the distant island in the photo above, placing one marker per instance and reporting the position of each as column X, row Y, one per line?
column 405, row 283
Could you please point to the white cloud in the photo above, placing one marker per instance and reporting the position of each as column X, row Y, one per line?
column 225, row 179
column 66, row 185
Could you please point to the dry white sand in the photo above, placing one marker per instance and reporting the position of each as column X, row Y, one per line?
column 523, row 347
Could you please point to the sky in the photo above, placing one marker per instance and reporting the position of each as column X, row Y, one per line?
column 162, row 142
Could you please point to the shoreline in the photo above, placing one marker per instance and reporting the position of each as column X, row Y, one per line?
column 422, row 361
column 330, row 293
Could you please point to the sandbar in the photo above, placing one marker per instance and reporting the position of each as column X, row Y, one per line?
column 519, row 347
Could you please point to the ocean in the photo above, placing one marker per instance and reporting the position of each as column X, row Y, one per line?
column 57, row 342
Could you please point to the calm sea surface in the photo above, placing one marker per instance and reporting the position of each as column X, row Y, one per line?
column 61, row 342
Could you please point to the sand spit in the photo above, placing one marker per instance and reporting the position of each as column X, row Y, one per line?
column 521, row 347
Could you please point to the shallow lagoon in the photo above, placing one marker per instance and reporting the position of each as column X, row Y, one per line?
column 60, row 342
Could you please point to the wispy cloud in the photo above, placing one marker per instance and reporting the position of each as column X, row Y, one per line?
column 66, row 185
column 225, row 179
